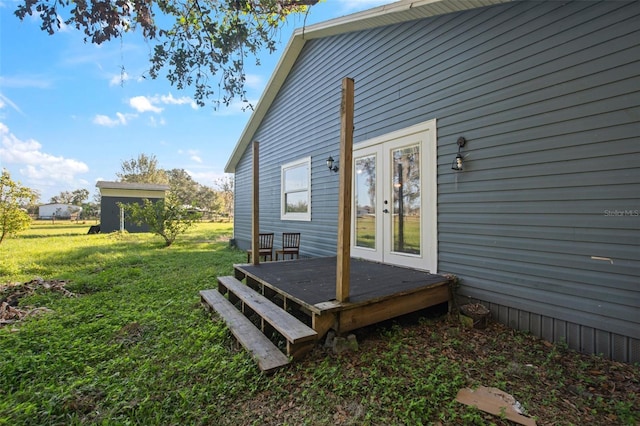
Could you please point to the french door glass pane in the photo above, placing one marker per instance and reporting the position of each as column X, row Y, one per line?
column 365, row 194
column 406, row 199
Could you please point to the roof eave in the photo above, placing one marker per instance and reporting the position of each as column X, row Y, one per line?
column 389, row 14
column 131, row 186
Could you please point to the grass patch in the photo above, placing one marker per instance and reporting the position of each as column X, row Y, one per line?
column 136, row 347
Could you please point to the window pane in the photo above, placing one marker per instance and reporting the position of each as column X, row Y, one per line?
column 295, row 198
column 406, row 200
column 295, row 178
column 366, row 201
column 296, row 202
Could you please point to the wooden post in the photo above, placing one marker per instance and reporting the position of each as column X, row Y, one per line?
column 255, row 215
column 343, row 267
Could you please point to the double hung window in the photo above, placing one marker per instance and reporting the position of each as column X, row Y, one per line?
column 296, row 190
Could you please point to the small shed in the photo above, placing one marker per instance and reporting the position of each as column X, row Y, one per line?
column 112, row 217
column 58, row 211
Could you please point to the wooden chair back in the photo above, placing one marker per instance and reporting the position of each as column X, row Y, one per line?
column 265, row 246
column 290, row 240
column 266, row 241
column 290, row 245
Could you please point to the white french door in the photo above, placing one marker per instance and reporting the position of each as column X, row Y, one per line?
column 394, row 198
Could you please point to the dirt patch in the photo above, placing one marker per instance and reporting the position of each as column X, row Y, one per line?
column 11, row 294
column 130, row 334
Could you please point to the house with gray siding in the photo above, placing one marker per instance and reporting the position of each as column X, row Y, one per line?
column 113, row 194
column 542, row 224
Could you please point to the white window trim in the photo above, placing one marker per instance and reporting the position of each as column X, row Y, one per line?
column 295, row 216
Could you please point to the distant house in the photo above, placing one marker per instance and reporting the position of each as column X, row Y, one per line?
column 542, row 223
column 58, row 211
column 112, row 217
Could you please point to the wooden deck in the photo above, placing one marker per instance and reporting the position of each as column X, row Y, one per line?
column 283, row 308
column 378, row 292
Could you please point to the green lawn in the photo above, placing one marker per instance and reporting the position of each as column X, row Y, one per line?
column 366, row 233
column 136, row 347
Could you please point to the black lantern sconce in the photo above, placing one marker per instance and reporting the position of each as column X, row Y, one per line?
column 458, row 161
column 331, row 166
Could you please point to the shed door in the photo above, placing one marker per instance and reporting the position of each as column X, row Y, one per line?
column 394, row 204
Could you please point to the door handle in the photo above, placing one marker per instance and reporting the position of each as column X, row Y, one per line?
column 385, row 211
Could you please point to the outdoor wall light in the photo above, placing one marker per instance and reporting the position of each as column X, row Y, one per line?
column 457, row 163
column 331, row 166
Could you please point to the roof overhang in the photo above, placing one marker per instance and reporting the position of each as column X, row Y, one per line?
column 131, row 189
column 103, row 184
column 389, row 14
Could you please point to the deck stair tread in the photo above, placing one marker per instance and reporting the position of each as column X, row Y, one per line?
column 292, row 329
column 266, row 354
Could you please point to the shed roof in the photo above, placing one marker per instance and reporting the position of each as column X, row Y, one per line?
column 57, row 204
column 103, row 184
column 393, row 13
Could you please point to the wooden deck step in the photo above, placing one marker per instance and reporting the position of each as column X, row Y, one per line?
column 266, row 354
column 300, row 338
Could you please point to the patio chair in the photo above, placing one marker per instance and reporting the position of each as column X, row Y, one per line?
column 290, row 245
column 265, row 247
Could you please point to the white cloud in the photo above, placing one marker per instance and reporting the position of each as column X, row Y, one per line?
column 194, row 155
column 62, row 27
column 237, row 107
column 120, row 119
column 104, row 120
column 119, row 79
column 4, row 101
column 26, row 81
column 144, row 104
column 206, row 177
column 40, row 168
column 151, row 103
column 170, row 100
column 254, row 81
column 124, row 118
column 153, row 122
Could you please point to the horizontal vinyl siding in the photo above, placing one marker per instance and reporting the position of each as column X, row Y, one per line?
column 556, row 148
column 286, row 134
column 242, row 202
column 547, row 95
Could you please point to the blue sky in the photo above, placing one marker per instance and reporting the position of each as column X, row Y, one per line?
column 70, row 115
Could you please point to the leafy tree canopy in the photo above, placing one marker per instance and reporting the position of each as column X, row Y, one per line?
column 188, row 192
column 225, row 191
column 143, row 169
column 166, row 218
column 76, row 197
column 13, row 201
column 182, row 185
column 184, row 190
column 193, row 40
